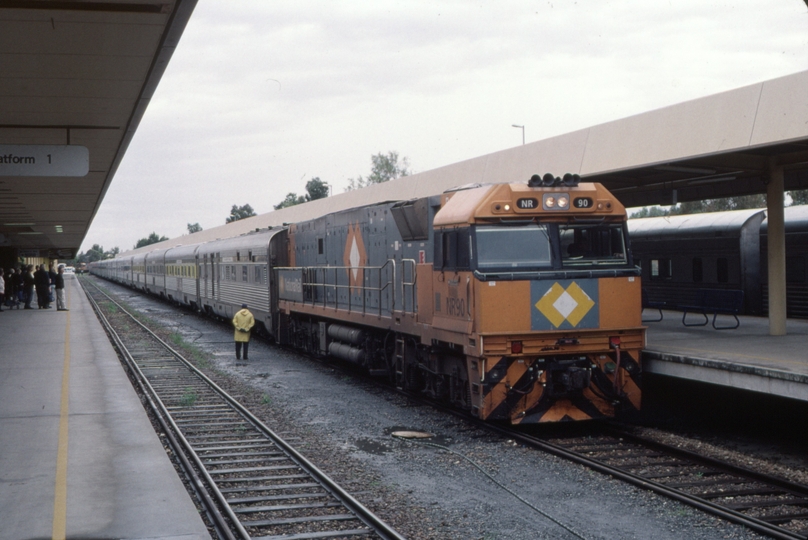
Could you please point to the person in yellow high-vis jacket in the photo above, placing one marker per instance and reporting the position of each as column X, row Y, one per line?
column 243, row 322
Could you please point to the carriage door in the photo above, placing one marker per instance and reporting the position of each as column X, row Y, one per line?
column 217, row 273
column 207, row 262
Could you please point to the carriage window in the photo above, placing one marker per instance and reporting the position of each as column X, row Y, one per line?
column 258, row 274
column 319, row 246
column 722, row 269
column 698, row 270
column 513, row 247
column 244, row 273
column 661, row 269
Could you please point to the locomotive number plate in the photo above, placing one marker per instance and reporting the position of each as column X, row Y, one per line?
column 527, row 204
column 582, row 202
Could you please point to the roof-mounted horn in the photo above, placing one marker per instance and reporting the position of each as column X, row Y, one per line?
column 548, row 180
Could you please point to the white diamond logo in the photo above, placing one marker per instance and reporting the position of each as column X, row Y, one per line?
column 565, row 304
column 354, row 258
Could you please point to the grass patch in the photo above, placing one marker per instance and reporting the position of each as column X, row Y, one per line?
column 189, row 398
column 189, row 350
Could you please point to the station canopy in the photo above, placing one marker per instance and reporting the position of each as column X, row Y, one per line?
column 78, row 73
column 82, row 73
column 716, row 146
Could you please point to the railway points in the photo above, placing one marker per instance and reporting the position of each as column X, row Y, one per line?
column 78, row 455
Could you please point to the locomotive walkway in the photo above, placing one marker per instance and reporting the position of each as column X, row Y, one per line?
column 85, row 466
column 746, row 358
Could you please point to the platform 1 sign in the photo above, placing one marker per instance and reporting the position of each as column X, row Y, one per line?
column 44, row 160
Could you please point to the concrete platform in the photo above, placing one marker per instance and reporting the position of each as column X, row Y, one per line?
column 88, row 465
column 747, row 358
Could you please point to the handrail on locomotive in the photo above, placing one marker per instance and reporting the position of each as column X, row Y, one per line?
column 311, row 285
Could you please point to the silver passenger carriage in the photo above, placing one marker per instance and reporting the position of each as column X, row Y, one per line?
column 122, row 270
column 181, row 273
column 139, row 271
column 155, row 272
column 237, row 271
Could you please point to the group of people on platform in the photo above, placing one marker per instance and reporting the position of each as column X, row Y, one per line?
column 19, row 285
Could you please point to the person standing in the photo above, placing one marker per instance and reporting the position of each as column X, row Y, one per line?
column 243, row 322
column 59, row 284
column 17, row 288
column 52, row 278
column 2, row 289
column 28, row 282
column 42, row 284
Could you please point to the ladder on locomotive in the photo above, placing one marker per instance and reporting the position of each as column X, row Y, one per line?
column 398, row 364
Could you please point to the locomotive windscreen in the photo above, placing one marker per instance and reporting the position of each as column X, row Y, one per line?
column 522, row 247
column 585, row 245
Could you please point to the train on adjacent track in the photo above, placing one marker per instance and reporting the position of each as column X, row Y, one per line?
column 722, row 250
column 519, row 302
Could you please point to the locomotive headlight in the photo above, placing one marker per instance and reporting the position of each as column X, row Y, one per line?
column 563, row 201
column 549, row 202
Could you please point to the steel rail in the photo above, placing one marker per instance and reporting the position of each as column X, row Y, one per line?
column 364, row 514
column 728, row 514
column 179, row 447
column 645, row 483
column 617, row 430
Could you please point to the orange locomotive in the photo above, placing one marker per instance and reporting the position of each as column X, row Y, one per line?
column 518, row 302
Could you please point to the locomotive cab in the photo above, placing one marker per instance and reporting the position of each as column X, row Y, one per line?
column 540, row 278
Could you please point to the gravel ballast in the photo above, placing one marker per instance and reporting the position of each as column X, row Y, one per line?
column 344, row 426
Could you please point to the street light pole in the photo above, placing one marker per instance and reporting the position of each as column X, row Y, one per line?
column 523, row 131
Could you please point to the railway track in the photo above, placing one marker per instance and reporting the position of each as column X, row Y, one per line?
column 252, row 483
column 766, row 504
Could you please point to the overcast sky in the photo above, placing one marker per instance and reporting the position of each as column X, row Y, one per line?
column 262, row 96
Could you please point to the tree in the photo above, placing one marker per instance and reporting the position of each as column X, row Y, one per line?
column 384, row 168
column 720, row 205
column 95, row 253
column 799, row 197
column 291, row 200
column 240, row 212
column 193, row 227
column 316, row 189
column 652, row 211
column 153, row 238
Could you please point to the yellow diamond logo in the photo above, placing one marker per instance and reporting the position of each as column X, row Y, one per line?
column 559, row 304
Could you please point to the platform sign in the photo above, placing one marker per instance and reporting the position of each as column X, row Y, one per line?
column 44, row 160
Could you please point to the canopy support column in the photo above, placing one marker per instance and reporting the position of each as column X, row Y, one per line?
column 776, row 250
